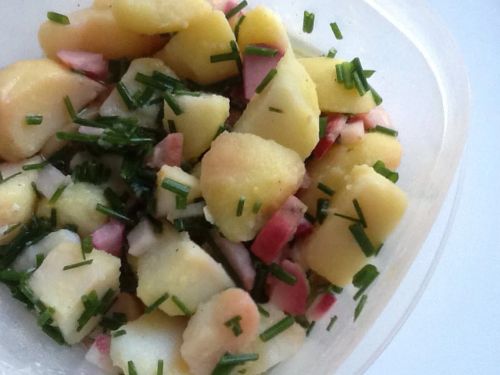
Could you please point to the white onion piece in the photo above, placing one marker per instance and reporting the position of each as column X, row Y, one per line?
column 141, row 238
column 98, row 354
column 191, row 210
column 208, row 215
column 89, row 130
column 352, row 133
column 50, row 179
column 80, row 158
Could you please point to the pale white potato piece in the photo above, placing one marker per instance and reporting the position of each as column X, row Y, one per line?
column 77, row 206
column 244, row 165
column 37, row 87
column 141, row 238
column 333, row 96
column 331, row 250
column 188, row 52
column 96, row 30
column 179, row 267
column 293, row 92
column 207, row 338
column 114, row 104
column 332, row 168
column 150, row 338
column 63, row 290
column 201, row 119
column 156, row 17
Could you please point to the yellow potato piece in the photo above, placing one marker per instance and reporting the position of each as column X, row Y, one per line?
column 37, row 87
column 339, row 161
column 333, row 96
column 332, row 250
column 188, row 52
column 96, row 30
column 157, row 16
column 102, row 4
column 244, row 165
column 293, row 93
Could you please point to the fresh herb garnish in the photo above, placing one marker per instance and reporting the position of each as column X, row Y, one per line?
column 33, row 119
column 113, row 322
column 359, row 212
column 3, row 180
column 325, row 189
column 256, row 207
column 131, row 368
column 156, row 303
column 126, row 96
column 39, row 260
column 92, row 172
column 331, row 323
column 181, row 306
column 360, row 306
column 238, row 8
column 58, row 18
column 364, row 278
column 180, row 202
column 277, row 110
column 277, row 328
column 260, row 51
column 93, row 306
column 282, row 275
column 308, row 22
column 176, row 187
column 267, row 79
column 57, row 194
column 78, row 265
column 69, row 107
column 119, row 333
column 384, row 130
column 240, row 206
column 112, row 213
column 234, row 325
column 159, row 367
column 362, row 239
column 323, row 123
column 229, row 361
column 263, row 311
column 332, row 53
column 172, row 103
column 35, row 166
column 322, row 206
column 237, row 27
column 336, row 31
column 310, row 328
column 381, row 169
column 45, row 316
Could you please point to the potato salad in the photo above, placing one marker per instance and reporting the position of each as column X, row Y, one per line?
column 182, row 193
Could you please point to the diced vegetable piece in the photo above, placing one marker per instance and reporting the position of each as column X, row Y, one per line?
column 77, row 206
column 334, row 127
column 37, row 87
column 188, row 53
column 109, row 237
column 352, row 133
column 96, row 30
column 292, row 299
column 207, row 337
column 92, row 64
column 320, row 306
column 177, row 266
column 199, row 122
column 157, row 17
column 332, row 250
column 147, row 114
column 332, row 168
column 244, row 165
column 63, row 289
column 168, row 151
column 255, row 69
column 377, row 116
column 333, row 96
column 98, row 354
column 49, row 180
column 292, row 92
column 141, row 238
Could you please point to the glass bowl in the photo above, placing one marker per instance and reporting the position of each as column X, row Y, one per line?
column 422, row 79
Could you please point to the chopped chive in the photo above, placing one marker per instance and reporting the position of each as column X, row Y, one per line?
column 381, row 169
column 240, row 206
column 77, row 137
column 58, row 18
column 256, row 207
column 323, row 123
column 326, row 189
column 12, row 228
column 159, row 367
column 176, row 187
column 384, row 130
column 340, row 73
column 87, row 246
column 181, row 306
column 358, row 83
column 234, row 325
column 180, row 202
column 336, row 31
column 45, row 317
column 310, row 328
column 359, row 212
column 171, row 126
column 131, row 368
column 144, row 97
column 347, row 74
column 222, row 57
column 172, row 103
column 238, row 8
column 33, row 167
column 360, row 306
column 277, row 328
column 378, row 249
column 168, row 80
column 57, row 194
column 260, row 51
column 358, row 68
column 332, row 323
column 277, row 110
column 2, row 180
column 364, row 278
column 308, row 22
column 77, row 265
column 268, row 78
column 236, row 52
column 179, row 225
column 53, row 217
column 322, row 206
column 126, row 96
column 221, row 130
column 112, row 213
column 151, row 82
column 183, row 92
column 332, row 53
column 156, row 304
column 332, row 288
column 237, row 27
column 350, row 218
column 33, row 119
column 279, row 273
column 54, row 333
column 119, row 333
column 376, row 97
column 229, row 361
column 362, row 239
column 368, row 73
column 39, row 260
column 263, row 311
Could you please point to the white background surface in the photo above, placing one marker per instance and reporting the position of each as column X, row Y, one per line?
column 455, row 328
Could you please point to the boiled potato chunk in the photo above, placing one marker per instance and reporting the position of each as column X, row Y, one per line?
column 333, row 96
column 246, row 166
column 96, row 30
column 179, row 267
column 331, row 250
column 150, row 338
column 201, row 119
column 338, row 162
column 146, row 115
column 37, row 87
column 102, row 4
column 63, row 290
column 188, row 52
column 263, row 26
column 157, row 17
column 293, row 93
column 77, row 206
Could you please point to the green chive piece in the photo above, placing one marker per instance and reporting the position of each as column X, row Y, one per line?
column 359, row 212
column 119, row 333
column 58, row 18
column 228, row 361
column 156, row 304
column 260, row 51
column 180, row 202
column 279, row 273
column 53, row 217
column 34, row 167
column 256, row 207
column 34, row 119
column 169, row 81
column 12, row 228
column 362, row 239
column 176, row 187
column 263, row 311
column 277, row 110
column 368, row 73
column 277, row 328
column 322, row 206
column 144, row 97
column 171, row 126
column 384, row 130
column 358, row 68
column 181, row 306
column 159, row 367
column 179, row 225
column 221, row 130
column 347, row 74
column 77, row 137
column 131, row 368
column 126, row 96
column 151, row 82
column 381, row 169
column 237, row 27
column 45, row 317
column 172, row 103
column 39, row 260
column 326, row 189
column 2, row 180
column 332, row 53
column 238, row 8
column 87, row 246
column 358, row 83
column 182, row 92
column 360, row 306
column 112, row 213
column 222, row 57
column 236, row 52
column 332, row 323
column 336, row 31
column 323, row 123
column 310, row 328
column 268, row 78
column 350, row 218
column 57, row 194
column 340, row 73
column 376, row 97
column 364, row 278
column 308, row 22
column 234, row 325
column 77, row 265
column 240, row 206
column 332, row 288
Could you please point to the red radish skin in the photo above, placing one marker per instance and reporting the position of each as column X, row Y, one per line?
column 352, row 133
column 279, row 230
column 92, row 64
column 292, row 299
column 109, row 237
column 336, row 123
column 304, row 229
column 377, row 116
column 320, row 306
column 168, row 151
column 255, row 69
column 103, row 343
column 98, row 354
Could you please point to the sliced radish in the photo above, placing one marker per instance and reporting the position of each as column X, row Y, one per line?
column 292, row 299
column 239, row 258
column 50, row 179
column 109, row 237
column 255, row 69
column 279, row 230
column 141, row 238
column 336, row 123
column 352, row 133
column 304, row 228
column 168, row 151
column 320, row 306
column 98, row 354
column 92, row 64
column 377, row 116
